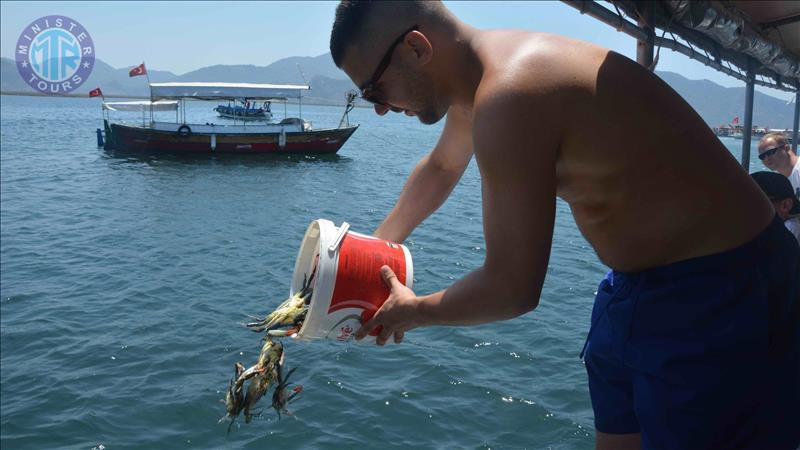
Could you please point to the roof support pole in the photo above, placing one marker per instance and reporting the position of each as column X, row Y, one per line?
column 644, row 49
column 796, row 120
column 748, row 116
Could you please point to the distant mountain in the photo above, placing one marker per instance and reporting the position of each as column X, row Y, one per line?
column 328, row 83
column 716, row 104
column 110, row 80
column 283, row 71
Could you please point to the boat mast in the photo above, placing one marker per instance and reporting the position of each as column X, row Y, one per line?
column 151, row 97
column 351, row 98
column 300, row 91
column 151, row 103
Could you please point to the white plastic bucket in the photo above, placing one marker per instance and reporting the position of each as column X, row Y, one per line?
column 348, row 286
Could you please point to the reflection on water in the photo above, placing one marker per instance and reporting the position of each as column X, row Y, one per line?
column 245, row 159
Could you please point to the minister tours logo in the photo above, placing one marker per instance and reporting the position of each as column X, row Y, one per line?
column 54, row 54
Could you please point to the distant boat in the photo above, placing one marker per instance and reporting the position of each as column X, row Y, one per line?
column 290, row 135
column 723, row 131
column 245, row 111
column 736, row 131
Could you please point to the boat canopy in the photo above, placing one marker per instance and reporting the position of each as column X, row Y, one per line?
column 229, row 91
column 161, row 105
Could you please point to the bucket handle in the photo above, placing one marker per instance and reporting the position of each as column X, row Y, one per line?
column 336, row 243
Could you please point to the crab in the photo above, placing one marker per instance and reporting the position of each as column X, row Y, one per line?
column 291, row 312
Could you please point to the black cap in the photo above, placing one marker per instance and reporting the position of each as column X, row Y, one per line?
column 777, row 187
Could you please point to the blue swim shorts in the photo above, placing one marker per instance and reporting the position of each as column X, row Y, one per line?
column 702, row 353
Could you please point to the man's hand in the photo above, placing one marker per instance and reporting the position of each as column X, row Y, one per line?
column 397, row 314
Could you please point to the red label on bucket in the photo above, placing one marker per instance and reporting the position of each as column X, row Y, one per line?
column 358, row 274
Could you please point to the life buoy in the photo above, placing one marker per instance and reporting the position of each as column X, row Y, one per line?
column 184, row 130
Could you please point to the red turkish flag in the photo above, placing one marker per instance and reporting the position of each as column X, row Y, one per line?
column 96, row 93
column 736, row 120
column 138, row 70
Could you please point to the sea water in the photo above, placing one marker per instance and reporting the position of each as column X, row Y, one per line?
column 125, row 280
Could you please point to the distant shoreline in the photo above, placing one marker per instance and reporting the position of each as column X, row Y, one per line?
column 86, row 95
column 39, row 94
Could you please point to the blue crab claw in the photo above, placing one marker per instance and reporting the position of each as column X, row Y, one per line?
column 234, row 397
column 281, row 398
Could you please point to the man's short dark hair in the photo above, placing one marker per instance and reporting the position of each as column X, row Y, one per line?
column 349, row 21
column 356, row 19
column 777, row 187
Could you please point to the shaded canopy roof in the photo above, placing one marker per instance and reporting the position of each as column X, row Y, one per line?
column 763, row 36
column 779, row 21
column 162, row 105
column 230, row 91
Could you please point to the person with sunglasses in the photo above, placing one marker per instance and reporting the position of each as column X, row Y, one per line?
column 693, row 341
column 776, row 153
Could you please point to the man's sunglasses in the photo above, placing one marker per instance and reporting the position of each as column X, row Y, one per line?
column 767, row 153
column 367, row 92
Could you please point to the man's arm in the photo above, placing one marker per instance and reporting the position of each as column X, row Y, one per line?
column 516, row 149
column 432, row 180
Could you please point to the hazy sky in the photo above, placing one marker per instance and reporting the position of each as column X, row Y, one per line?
column 184, row 36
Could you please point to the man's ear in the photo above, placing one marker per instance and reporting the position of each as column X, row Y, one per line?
column 782, row 207
column 419, row 43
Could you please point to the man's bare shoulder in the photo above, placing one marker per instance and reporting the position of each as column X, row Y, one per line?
column 521, row 63
column 536, row 74
column 521, row 104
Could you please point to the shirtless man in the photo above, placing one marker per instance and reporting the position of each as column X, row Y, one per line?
column 693, row 341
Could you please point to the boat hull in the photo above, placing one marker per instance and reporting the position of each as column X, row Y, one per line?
column 132, row 138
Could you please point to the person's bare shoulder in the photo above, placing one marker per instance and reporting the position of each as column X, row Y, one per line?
column 522, row 65
column 531, row 84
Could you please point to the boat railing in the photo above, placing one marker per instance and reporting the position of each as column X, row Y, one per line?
column 209, row 128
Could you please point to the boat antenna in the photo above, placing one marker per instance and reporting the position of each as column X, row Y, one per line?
column 302, row 75
column 350, row 97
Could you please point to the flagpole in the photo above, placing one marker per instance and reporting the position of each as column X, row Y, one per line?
column 103, row 97
column 100, row 94
column 147, row 74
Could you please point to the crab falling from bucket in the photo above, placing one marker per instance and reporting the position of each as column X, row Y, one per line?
column 348, row 288
column 336, row 286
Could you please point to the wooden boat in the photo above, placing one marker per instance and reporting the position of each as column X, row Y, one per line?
column 290, row 135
